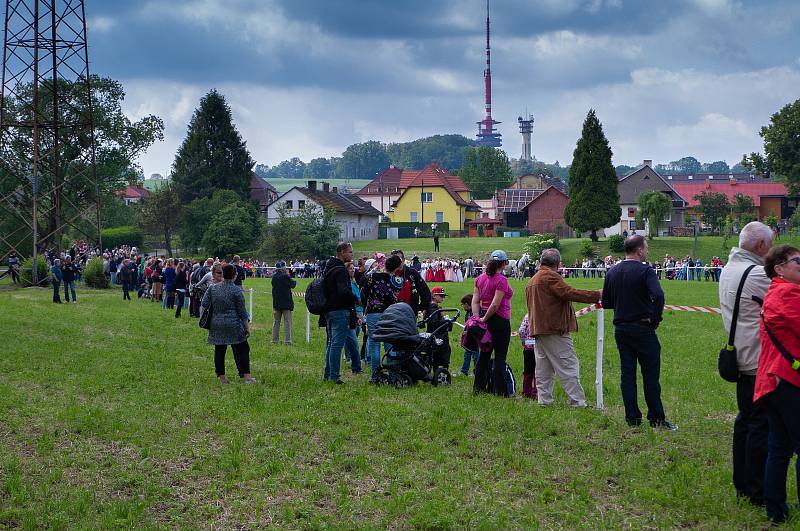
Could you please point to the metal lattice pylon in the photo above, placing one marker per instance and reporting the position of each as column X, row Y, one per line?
column 48, row 171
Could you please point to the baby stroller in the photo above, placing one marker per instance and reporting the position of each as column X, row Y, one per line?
column 412, row 356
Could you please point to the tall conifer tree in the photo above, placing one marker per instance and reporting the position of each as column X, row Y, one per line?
column 593, row 197
column 213, row 155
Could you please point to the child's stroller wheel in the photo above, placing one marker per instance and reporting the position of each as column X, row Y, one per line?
column 442, row 377
column 403, row 380
column 383, row 379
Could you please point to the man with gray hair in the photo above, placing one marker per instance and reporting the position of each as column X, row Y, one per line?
column 551, row 320
column 750, row 429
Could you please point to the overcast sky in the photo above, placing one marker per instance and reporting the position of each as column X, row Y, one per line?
column 307, row 78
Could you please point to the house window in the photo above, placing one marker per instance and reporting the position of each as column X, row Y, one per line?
column 289, row 204
column 631, row 212
column 414, row 217
column 354, row 232
column 426, row 197
column 301, row 203
column 632, row 225
column 440, row 217
column 668, row 217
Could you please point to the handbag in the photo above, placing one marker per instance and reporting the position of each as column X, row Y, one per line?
column 727, row 364
column 794, row 362
column 205, row 319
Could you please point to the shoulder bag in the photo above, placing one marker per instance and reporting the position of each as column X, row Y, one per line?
column 205, row 319
column 794, row 362
column 727, row 364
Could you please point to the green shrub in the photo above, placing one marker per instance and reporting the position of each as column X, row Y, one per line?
column 587, row 250
column 539, row 242
column 26, row 272
column 93, row 274
column 122, row 236
column 616, row 243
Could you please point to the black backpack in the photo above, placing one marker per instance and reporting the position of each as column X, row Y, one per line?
column 511, row 383
column 316, row 300
column 198, row 275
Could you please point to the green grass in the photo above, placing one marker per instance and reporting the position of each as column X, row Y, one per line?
column 479, row 248
column 111, row 417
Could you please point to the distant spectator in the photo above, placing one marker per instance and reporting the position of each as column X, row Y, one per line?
column 229, row 325
column 13, row 266
column 282, row 303
column 337, row 316
column 69, row 273
column 55, row 279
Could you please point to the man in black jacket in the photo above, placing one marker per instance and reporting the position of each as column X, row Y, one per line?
column 282, row 302
column 632, row 290
column 415, row 291
column 341, row 301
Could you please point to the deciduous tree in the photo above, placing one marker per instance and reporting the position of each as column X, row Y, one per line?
column 485, row 171
column 654, row 207
column 714, row 207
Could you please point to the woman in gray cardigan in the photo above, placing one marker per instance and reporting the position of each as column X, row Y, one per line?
column 230, row 325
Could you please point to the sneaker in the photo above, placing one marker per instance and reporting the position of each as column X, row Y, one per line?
column 224, row 380
column 633, row 423
column 338, row 382
column 248, row 381
column 663, row 425
column 74, row 302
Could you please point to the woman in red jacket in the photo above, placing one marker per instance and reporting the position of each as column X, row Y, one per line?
column 777, row 382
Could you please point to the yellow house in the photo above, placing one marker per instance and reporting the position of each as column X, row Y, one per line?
column 432, row 195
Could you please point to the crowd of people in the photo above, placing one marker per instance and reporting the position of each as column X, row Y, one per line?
column 759, row 291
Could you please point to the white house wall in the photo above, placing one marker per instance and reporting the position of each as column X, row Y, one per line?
column 351, row 228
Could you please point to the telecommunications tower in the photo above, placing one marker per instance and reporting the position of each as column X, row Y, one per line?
column 526, row 128
column 487, row 132
column 48, row 174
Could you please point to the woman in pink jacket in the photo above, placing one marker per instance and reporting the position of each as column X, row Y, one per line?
column 778, row 376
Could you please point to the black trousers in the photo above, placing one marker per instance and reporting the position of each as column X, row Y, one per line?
column 180, row 296
column 638, row 343
column 241, row 355
column 529, row 361
column 501, row 337
column 750, row 434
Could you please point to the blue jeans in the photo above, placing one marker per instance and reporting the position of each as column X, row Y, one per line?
column 473, row 356
column 351, row 350
column 113, row 277
column 784, row 441
column 373, row 347
column 69, row 285
column 338, row 327
column 639, row 343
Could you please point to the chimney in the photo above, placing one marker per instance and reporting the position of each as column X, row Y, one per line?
column 648, row 162
column 312, row 185
column 335, row 190
column 325, row 187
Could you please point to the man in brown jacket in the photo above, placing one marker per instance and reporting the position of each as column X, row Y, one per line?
column 552, row 319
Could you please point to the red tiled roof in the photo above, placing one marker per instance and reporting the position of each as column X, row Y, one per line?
column 434, row 175
column 387, row 179
column 135, row 192
column 754, row 190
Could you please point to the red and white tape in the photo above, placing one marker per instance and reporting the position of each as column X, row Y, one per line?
column 675, row 308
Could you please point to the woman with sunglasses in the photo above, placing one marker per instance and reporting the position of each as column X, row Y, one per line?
column 778, row 377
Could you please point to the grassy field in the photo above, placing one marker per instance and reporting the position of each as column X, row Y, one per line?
column 479, row 248
column 111, row 417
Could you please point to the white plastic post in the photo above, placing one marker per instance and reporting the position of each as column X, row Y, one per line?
column 308, row 326
column 251, row 305
column 598, row 378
